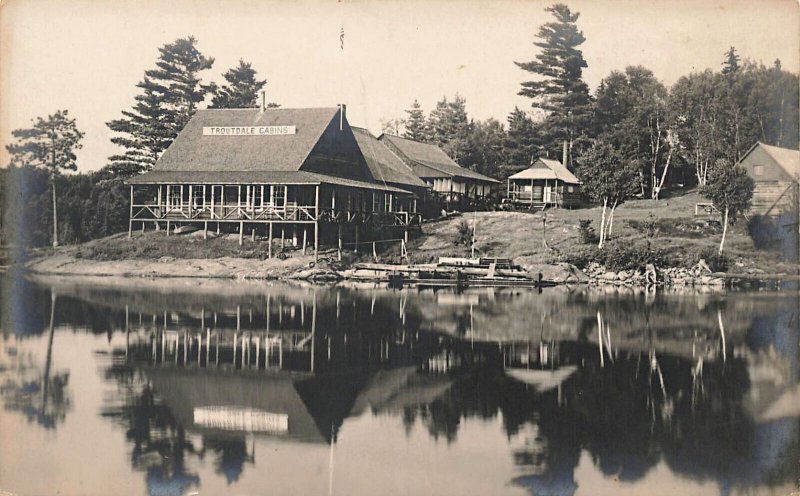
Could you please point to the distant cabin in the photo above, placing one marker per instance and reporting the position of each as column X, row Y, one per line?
column 458, row 187
column 296, row 174
column 546, row 183
column 776, row 172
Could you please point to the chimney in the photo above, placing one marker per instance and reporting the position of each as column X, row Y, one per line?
column 342, row 115
column 565, row 155
column 263, row 100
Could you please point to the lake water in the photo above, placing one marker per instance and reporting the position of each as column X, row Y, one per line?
column 209, row 387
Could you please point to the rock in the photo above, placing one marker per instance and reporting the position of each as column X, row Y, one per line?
column 623, row 275
column 166, row 259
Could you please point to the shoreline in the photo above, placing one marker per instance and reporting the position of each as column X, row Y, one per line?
column 304, row 268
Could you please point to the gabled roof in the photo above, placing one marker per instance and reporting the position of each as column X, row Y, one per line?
column 545, row 168
column 787, row 158
column 433, row 157
column 192, row 151
column 384, row 165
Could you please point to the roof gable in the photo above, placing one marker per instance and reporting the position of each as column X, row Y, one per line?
column 193, row 151
column 383, row 164
column 545, row 168
column 787, row 158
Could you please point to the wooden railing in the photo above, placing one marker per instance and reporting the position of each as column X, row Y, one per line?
column 289, row 213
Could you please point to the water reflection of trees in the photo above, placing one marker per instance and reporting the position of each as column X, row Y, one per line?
column 41, row 395
column 650, row 383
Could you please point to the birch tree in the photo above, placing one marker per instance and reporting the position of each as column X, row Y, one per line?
column 608, row 179
column 730, row 189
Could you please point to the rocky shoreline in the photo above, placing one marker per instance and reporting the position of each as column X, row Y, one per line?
column 325, row 271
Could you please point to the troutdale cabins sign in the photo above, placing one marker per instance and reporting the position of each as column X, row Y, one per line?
column 249, row 131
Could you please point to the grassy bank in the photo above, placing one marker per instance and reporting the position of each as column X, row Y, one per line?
column 666, row 228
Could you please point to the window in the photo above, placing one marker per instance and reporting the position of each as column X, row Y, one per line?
column 278, row 196
column 388, row 202
column 197, row 196
column 758, row 170
column 570, row 189
column 377, row 201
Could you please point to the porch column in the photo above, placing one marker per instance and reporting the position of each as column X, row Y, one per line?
column 316, row 223
column 130, row 215
column 532, row 192
column 269, row 252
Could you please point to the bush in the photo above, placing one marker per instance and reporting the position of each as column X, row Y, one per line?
column 618, row 256
column 715, row 261
column 463, row 234
column 763, row 232
column 586, row 231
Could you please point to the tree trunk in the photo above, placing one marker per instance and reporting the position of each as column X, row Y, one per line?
column 55, row 212
column 603, row 224
column 724, row 230
column 663, row 175
column 611, row 218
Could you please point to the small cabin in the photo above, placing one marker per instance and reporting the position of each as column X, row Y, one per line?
column 776, row 172
column 546, row 183
column 776, row 196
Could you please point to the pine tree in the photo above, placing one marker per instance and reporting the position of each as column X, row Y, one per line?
column 170, row 95
column 242, row 88
column 449, row 126
column 731, row 64
column 522, row 140
column 50, row 143
column 560, row 90
column 416, row 128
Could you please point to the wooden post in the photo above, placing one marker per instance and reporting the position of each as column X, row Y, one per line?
column 374, row 252
column 283, row 238
column 270, row 243
column 316, row 223
column 205, row 230
column 305, row 240
column 191, row 201
column 241, row 231
column 167, row 227
column 358, row 236
column 130, row 216
column 341, row 244
column 253, row 235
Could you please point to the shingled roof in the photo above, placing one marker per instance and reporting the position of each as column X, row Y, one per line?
column 192, row 151
column 383, row 164
column 545, row 168
column 203, row 159
column 432, row 157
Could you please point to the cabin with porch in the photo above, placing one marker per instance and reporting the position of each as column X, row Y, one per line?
column 546, row 183
column 458, row 187
column 270, row 173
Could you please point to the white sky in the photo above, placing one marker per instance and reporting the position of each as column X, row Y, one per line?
column 87, row 55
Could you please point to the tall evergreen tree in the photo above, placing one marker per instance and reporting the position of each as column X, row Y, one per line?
column 731, row 64
column 50, row 143
column 522, row 140
column 560, row 90
column 449, row 126
column 242, row 88
column 170, row 95
column 416, row 128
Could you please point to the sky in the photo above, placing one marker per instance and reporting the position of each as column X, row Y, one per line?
column 86, row 56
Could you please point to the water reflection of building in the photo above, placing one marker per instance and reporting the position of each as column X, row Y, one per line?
column 624, row 388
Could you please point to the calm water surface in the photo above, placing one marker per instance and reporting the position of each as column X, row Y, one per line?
column 224, row 388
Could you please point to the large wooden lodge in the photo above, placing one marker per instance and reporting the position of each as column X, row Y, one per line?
column 271, row 172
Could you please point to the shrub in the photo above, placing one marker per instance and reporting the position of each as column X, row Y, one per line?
column 715, row 261
column 619, row 256
column 463, row 234
column 762, row 231
column 587, row 233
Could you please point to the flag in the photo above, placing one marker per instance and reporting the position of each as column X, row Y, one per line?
column 341, row 38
